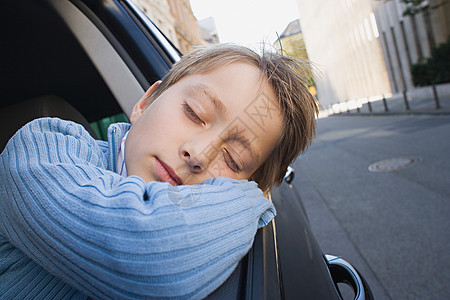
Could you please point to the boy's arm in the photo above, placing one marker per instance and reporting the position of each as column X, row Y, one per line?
column 117, row 237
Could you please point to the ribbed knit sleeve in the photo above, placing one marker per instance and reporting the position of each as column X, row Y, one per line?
column 115, row 237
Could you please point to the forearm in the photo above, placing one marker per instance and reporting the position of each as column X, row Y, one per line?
column 95, row 230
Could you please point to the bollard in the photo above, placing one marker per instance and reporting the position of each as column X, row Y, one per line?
column 405, row 99
column 369, row 105
column 386, row 109
column 435, row 95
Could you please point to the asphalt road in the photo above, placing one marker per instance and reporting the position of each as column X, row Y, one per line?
column 392, row 226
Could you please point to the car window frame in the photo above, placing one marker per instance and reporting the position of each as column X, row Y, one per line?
column 152, row 31
column 116, row 73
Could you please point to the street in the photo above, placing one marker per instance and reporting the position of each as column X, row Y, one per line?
column 393, row 225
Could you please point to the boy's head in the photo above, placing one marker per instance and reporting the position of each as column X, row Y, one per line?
column 222, row 111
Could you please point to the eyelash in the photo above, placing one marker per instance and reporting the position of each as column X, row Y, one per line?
column 230, row 162
column 192, row 114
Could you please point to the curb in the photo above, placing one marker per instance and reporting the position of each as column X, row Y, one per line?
column 396, row 113
column 402, row 113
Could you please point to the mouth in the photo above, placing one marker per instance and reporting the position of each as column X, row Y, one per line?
column 166, row 173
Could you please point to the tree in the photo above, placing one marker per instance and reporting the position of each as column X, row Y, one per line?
column 414, row 7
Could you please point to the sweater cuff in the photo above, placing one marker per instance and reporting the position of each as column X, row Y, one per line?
column 264, row 207
column 267, row 216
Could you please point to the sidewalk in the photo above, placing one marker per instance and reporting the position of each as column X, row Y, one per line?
column 418, row 103
column 397, row 106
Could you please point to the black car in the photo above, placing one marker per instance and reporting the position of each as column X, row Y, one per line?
column 90, row 61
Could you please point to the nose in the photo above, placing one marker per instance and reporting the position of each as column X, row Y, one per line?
column 194, row 161
column 198, row 151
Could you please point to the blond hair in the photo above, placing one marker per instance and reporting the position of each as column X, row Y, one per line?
column 286, row 75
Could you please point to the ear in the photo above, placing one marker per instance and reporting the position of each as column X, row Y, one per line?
column 143, row 103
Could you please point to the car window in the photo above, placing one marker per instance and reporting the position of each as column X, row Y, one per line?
column 44, row 54
column 101, row 126
column 117, row 75
column 167, row 45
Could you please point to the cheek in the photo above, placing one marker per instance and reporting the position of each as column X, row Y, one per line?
column 219, row 168
column 161, row 124
column 168, row 118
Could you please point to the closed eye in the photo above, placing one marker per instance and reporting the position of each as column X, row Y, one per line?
column 231, row 163
column 191, row 114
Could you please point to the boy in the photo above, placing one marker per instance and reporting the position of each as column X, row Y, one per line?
column 183, row 214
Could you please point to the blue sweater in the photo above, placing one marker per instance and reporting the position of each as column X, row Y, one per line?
column 70, row 227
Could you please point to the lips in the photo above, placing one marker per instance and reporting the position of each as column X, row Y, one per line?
column 167, row 174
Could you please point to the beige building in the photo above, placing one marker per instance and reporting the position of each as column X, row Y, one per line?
column 159, row 12
column 343, row 41
column 291, row 40
column 188, row 33
column 175, row 19
column 292, row 44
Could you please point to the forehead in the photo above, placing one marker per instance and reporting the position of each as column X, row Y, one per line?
column 235, row 84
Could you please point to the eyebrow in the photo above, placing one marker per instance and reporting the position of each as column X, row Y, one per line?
column 212, row 96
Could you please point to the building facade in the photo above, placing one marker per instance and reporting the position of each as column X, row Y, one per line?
column 176, row 20
column 291, row 40
column 188, row 33
column 208, row 30
column 291, row 43
column 342, row 40
column 364, row 49
column 407, row 39
column 159, row 12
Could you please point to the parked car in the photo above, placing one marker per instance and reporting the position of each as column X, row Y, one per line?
column 90, row 61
